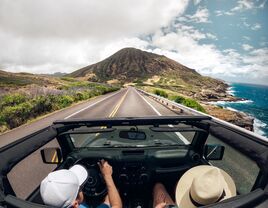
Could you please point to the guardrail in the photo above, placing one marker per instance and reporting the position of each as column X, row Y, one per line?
column 189, row 111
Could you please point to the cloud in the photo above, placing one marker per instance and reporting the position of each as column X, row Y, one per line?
column 256, row 26
column 246, row 38
column 242, row 5
column 247, row 47
column 211, row 36
column 65, row 35
column 207, row 59
column 201, row 15
column 196, row 2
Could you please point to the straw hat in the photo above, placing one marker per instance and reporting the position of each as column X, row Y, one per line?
column 203, row 185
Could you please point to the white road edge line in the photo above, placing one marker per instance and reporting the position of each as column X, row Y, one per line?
column 156, row 111
column 91, row 105
column 182, row 138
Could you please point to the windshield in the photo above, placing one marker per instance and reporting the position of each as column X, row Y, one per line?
column 129, row 136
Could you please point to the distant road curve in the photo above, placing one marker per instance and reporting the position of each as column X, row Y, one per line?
column 127, row 102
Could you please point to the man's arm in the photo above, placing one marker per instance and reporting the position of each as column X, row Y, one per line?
column 113, row 194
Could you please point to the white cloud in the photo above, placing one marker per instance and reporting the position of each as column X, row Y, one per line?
column 242, row 5
column 201, row 15
column 247, row 47
column 196, row 2
column 65, row 35
column 246, row 38
column 256, row 26
column 211, row 36
column 258, row 56
column 208, row 60
column 219, row 12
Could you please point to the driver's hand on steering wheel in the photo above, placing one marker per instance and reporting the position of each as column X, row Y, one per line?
column 105, row 168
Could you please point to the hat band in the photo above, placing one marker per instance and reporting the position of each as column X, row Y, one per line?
column 199, row 205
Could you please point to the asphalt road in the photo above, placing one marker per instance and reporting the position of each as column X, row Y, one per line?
column 127, row 102
column 124, row 103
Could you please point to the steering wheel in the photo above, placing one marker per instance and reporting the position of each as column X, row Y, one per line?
column 95, row 185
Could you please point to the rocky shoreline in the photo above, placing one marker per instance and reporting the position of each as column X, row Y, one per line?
column 209, row 98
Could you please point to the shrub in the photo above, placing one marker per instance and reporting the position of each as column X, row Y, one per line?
column 42, row 104
column 69, row 79
column 161, row 93
column 11, row 100
column 191, row 103
column 179, row 99
column 17, row 115
column 64, row 101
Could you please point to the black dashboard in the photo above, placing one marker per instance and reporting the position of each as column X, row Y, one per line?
column 135, row 170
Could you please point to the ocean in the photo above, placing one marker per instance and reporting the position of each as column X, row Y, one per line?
column 255, row 105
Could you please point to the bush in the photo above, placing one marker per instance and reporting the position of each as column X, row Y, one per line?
column 17, row 115
column 64, row 101
column 179, row 99
column 42, row 104
column 191, row 103
column 11, row 100
column 161, row 93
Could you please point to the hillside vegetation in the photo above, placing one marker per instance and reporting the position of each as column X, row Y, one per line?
column 26, row 96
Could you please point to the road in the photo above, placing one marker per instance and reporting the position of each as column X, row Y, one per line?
column 127, row 102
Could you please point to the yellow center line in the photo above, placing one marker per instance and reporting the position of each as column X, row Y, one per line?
column 118, row 105
column 115, row 109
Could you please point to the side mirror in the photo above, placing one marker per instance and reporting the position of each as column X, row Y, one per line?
column 51, row 155
column 214, row 152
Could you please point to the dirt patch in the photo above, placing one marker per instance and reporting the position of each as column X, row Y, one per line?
column 152, row 80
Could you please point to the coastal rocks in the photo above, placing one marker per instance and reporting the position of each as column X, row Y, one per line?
column 209, row 95
column 238, row 118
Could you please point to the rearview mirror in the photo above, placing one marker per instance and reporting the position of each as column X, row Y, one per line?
column 214, row 152
column 132, row 135
column 51, row 155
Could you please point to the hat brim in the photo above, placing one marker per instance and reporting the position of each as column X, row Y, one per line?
column 80, row 172
column 183, row 186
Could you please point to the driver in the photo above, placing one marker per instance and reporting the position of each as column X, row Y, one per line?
column 62, row 188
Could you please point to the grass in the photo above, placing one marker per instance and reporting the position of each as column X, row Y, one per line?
column 15, row 81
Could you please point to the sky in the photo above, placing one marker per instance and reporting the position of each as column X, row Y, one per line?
column 225, row 39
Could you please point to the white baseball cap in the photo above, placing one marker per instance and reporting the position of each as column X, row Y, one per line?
column 60, row 188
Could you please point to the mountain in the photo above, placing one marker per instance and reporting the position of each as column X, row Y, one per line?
column 134, row 65
column 130, row 63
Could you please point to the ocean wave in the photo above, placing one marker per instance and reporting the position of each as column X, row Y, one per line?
column 259, row 126
column 232, row 109
column 231, row 91
column 220, row 102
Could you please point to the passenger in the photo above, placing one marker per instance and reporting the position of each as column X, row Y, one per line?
column 62, row 188
column 201, row 185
